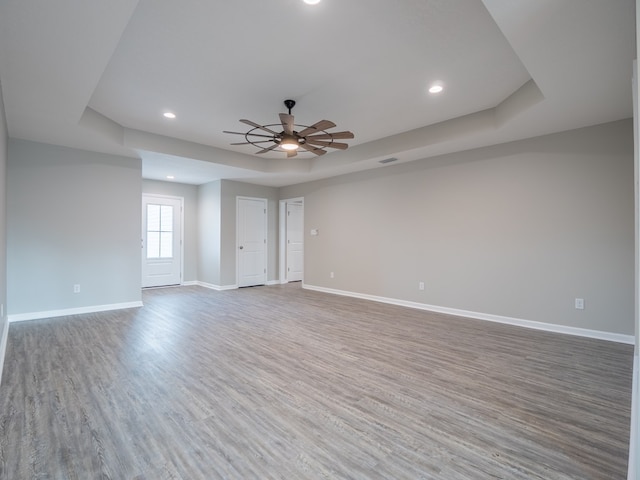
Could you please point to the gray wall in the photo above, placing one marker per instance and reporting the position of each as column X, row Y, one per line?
column 4, row 154
column 190, row 234
column 209, row 233
column 73, row 217
column 518, row 230
column 229, row 192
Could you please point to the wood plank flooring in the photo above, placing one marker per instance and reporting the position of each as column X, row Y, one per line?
column 283, row 383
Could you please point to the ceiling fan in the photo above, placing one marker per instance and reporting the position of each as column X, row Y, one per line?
column 314, row 138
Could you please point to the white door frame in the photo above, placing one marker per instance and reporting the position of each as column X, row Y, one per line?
column 282, row 227
column 266, row 234
column 168, row 197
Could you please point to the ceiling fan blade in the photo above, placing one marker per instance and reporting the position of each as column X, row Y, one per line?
column 331, row 136
column 312, row 149
column 291, row 153
column 254, row 124
column 317, row 127
column 320, row 143
column 265, row 150
column 251, row 143
column 249, row 133
column 287, row 123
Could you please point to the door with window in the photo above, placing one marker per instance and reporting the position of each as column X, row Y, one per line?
column 161, row 241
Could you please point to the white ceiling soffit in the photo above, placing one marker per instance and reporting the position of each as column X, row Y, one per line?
column 96, row 76
column 52, row 56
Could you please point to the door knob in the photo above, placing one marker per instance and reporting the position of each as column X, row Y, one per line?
column 241, row 247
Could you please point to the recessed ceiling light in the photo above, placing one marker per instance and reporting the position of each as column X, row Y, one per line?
column 170, row 177
column 169, row 114
column 435, row 89
column 311, row 2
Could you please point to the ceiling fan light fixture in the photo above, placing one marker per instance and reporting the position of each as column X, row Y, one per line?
column 311, row 138
column 289, row 142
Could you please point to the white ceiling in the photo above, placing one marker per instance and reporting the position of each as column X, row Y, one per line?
column 98, row 76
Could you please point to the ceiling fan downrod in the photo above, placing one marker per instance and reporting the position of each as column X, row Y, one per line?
column 289, row 104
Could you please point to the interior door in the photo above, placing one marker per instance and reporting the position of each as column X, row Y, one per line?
column 252, row 241
column 161, row 241
column 295, row 242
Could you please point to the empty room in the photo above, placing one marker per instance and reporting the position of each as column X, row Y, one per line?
column 311, row 239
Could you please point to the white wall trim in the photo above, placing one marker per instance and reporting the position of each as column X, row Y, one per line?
column 548, row 327
column 221, row 288
column 190, row 283
column 21, row 317
column 218, row 288
column 144, row 289
column 3, row 346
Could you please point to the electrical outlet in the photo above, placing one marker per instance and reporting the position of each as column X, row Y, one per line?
column 421, row 286
column 331, row 275
column 76, row 288
column 580, row 303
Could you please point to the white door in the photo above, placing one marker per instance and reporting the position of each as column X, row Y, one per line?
column 252, row 241
column 295, row 242
column 161, row 241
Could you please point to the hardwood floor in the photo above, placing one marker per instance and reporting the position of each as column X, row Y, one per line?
column 283, row 383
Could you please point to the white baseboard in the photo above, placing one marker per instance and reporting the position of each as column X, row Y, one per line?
column 548, row 327
column 21, row 317
column 3, row 346
column 190, row 283
column 218, row 288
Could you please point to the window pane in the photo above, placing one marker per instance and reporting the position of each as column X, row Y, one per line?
column 153, row 245
column 166, row 221
column 153, row 218
column 159, row 231
column 166, row 245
